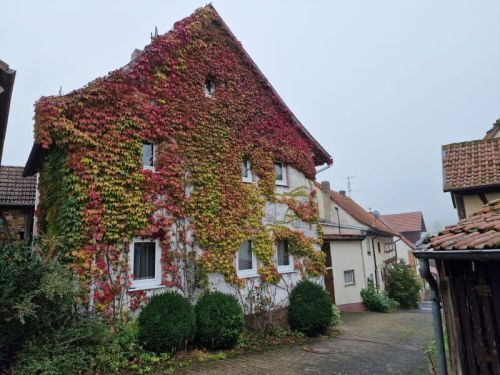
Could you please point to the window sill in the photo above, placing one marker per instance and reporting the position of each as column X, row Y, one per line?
column 350, row 284
column 247, row 275
column 246, row 181
column 286, row 270
column 145, row 287
column 283, row 184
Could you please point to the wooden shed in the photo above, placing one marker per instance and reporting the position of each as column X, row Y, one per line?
column 467, row 258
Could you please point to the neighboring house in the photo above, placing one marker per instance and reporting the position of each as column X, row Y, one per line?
column 17, row 204
column 471, row 172
column 185, row 170
column 7, row 77
column 358, row 247
column 410, row 226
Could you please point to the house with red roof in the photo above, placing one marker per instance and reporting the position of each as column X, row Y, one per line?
column 471, row 172
column 358, row 247
column 410, row 226
column 183, row 170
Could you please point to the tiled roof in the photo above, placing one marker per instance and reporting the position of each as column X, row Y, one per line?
column 405, row 222
column 360, row 214
column 479, row 231
column 15, row 189
column 471, row 164
column 495, row 129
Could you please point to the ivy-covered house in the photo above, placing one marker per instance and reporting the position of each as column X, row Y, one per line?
column 184, row 169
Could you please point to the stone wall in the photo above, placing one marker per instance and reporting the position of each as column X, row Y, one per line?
column 15, row 223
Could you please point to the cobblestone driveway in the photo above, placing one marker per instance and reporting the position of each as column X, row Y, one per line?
column 371, row 343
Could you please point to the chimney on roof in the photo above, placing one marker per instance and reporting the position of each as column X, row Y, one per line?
column 325, row 187
column 342, row 192
column 136, row 53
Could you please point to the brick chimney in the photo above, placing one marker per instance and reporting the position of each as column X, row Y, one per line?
column 326, row 212
column 342, row 192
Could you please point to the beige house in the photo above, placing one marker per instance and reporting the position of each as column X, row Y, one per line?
column 358, row 246
column 471, row 172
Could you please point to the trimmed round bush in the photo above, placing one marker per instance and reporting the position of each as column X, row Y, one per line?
column 167, row 323
column 219, row 320
column 310, row 310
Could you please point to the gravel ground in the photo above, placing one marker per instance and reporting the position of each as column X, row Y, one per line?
column 370, row 343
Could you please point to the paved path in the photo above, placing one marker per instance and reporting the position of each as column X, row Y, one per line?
column 371, row 343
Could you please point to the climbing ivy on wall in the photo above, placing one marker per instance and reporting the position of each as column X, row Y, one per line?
column 95, row 193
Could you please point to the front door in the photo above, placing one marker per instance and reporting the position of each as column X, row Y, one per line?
column 328, row 270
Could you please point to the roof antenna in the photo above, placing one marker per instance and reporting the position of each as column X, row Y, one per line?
column 155, row 34
column 60, row 91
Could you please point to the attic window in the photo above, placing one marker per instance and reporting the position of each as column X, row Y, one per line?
column 209, row 87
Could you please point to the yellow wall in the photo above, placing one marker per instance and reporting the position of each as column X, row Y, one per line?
column 473, row 203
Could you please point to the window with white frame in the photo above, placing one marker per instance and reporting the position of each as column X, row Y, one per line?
column 349, row 277
column 284, row 259
column 148, row 155
column 280, row 173
column 246, row 173
column 145, row 263
column 246, row 261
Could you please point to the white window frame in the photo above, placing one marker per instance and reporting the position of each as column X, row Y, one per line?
column 247, row 179
column 146, row 283
column 149, row 167
column 252, row 272
column 209, row 94
column 353, row 278
column 284, row 180
column 284, row 268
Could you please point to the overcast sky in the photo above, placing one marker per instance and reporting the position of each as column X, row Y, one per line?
column 382, row 84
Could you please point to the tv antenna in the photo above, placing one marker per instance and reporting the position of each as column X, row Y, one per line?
column 349, row 185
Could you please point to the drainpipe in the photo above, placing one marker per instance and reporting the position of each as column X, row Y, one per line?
column 425, row 272
column 375, row 263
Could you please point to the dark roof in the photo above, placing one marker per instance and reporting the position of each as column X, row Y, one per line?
column 7, row 77
column 477, row 232
column 473, row 164
column 16, row 190
column 405, row 222
column 343, row 237
column 495, row 129
column 361, row 215
column 321, row 156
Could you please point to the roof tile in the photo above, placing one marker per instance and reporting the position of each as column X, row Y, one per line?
column 15, row 189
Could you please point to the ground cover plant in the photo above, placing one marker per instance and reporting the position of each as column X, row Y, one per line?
column 377, row 301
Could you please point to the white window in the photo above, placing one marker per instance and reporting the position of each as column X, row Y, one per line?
column 148, row 156
column 280, row 172
column 209, row 88
column 284, row 259
column 246, row 261
column 349, row 277
column 145, row 264
column 246, row 174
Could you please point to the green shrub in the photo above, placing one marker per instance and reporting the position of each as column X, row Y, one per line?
column 118, row 347
column 36, row 296
column 69, row 349
column 167, row 323
column 402, row 284
column 377, row 301
column 310, row 310
column 219, row 320
column 335, row 315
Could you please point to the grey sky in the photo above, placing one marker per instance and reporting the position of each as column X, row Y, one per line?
column 382, row 84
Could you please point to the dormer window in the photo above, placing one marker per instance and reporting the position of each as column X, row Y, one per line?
column 209, row 87
column 246, row 174
column 148, row 155
column 280, row 173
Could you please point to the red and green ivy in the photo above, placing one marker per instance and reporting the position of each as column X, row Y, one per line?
column 96, row 197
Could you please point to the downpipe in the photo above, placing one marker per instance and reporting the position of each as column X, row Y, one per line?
column 425, row 272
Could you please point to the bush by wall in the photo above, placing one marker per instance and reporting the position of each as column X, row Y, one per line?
column 335, row 315
column 36, row 297
column 219, row 320
column 377, row 301
column 167, row 323
column 402, row 284
column 310, row 310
